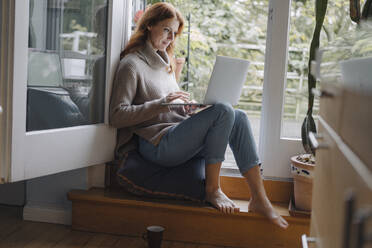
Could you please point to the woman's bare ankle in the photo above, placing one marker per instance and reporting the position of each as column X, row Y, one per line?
column 212, row 189
column 264, row 207
column 260, row 198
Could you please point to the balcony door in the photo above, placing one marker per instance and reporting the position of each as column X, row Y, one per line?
column 63, row 55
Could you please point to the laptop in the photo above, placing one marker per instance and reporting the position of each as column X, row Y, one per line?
column 44, row 72
column 226, row 82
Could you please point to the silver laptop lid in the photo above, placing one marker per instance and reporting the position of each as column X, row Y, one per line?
column 227, row 80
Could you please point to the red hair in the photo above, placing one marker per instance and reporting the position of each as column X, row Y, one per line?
column 153, row 15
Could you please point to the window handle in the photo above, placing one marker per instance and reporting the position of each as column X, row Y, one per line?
column 306, row 240
column 1, row 110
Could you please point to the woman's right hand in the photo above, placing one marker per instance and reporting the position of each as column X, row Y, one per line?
column 184, row 96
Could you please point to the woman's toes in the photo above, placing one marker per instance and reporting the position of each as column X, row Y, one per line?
column 225, row 209
column 265, row 208
column 232, row 208
column 220, row 208
column 279, row 221
column 284, row 223
column 218, row 199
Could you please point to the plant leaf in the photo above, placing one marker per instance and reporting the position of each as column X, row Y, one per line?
column 367, row 10
column 355, row 10
column 308, row 126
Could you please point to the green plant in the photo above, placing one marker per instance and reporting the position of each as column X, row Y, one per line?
column 308, row 124
column 360, row 40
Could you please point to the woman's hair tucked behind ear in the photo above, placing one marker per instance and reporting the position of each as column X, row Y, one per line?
column 154, row 14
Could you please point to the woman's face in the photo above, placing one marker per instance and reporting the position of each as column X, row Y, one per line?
column 163, row 33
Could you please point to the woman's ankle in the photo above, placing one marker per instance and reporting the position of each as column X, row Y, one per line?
column 260, row 198
column 212, row 189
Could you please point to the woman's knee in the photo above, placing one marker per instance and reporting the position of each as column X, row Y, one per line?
column 241, row 117
column 227, row 109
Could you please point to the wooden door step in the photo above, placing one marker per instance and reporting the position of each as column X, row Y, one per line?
column 99, row 210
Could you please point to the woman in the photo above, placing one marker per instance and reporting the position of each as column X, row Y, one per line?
column 169, row 135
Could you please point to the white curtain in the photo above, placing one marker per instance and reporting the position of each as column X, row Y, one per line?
column 127, row 21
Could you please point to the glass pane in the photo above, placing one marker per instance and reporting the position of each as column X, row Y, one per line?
column 336, row 23
column 66, row 63
column 138, row 7
column 229, row 28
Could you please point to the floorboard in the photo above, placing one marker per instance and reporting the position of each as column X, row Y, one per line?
column 52, row 236
column 102, row 240
column 25, row 234
column 16, row 233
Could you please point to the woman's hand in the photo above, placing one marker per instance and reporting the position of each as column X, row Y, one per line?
column 189, row 109
column 184, row 96
column 179, row 65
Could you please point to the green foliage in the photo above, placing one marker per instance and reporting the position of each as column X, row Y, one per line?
column 74, row 26
column 358, row 42
column 352, row 44
column 79, row 15
column 217, row 26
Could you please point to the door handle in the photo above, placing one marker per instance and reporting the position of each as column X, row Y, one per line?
column 314, row 141
column 322, row 93
column 362, row 216
column 306, row 240
column 349, row 214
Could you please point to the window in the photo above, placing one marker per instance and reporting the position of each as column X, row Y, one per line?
column 302, row 24
column 66, row 63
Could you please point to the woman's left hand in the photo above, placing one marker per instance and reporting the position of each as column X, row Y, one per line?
column 189, row 109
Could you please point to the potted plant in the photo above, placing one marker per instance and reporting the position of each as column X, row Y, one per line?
column 303, row 165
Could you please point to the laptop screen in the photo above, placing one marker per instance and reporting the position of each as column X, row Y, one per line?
column 44, row 69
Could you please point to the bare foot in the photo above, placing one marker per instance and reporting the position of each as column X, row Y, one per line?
column 219, row 200
column 264, row 207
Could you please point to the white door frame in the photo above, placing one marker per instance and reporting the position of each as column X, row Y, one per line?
column 275, row 150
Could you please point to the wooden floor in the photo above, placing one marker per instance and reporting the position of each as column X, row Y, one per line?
column 14, row 232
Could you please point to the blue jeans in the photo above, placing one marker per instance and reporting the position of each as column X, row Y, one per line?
column 206, row 134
